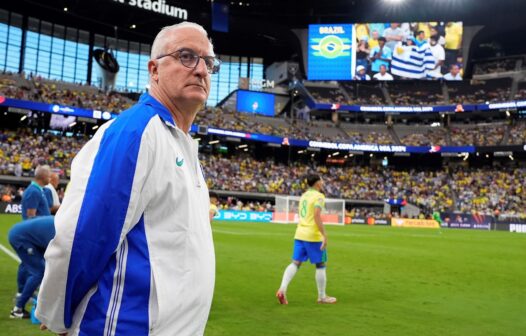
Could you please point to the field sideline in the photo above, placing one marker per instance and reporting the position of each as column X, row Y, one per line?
column 388, row 281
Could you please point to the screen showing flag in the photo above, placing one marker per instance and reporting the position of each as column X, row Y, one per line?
column 331, row 52
column 387, row 51
column 255, row 102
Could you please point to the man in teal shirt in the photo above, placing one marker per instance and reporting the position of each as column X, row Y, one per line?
column 34, row 200
column 380, row 55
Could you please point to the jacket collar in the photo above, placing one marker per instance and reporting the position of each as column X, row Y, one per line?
column 161, row 110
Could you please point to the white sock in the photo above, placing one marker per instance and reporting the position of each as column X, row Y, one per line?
column 321, row 282
column 290, row 272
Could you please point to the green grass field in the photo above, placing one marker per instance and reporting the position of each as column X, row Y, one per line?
column 389, row 281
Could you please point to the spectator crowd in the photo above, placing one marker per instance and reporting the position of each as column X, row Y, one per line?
column 379, row 43
column 485, row 190
column 481, row 189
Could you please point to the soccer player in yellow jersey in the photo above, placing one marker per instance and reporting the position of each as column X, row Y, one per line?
column 310, row 241
column 213, row 205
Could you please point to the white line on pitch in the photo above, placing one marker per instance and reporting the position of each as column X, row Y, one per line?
column 9, row 253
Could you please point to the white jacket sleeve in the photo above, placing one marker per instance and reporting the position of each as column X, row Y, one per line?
column 102, row 204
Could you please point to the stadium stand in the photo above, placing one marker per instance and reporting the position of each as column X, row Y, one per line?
column 416, row 93
column 330, row 94
column 478, row 92
column 517, row 133
column 421, row 135
column 36, row 88
column 21, row 151
column 462, row 188
column 492, row 66
column 478, row 134
column 371, row 134
column 364, row 93
column 521, row 91
column 480, row 190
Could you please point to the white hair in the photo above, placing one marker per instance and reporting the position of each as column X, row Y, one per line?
column 41, row 170
column 159, row 42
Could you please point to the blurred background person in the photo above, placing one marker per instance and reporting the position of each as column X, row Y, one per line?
column 383, row 75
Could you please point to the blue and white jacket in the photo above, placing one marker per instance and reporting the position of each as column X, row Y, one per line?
column 133, row 252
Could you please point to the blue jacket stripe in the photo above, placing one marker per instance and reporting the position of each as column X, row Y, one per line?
column 104, row 206
column 133, row 316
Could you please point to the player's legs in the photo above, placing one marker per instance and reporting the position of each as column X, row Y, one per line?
column 321, row 279
column 299, row 255
column 319, row 258
column 21, row 277
column 34, row 261
column 22, row 273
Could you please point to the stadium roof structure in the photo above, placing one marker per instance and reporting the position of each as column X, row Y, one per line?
column 260, row 28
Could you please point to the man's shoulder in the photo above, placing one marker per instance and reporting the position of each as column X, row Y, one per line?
column 316, row 194
column 133, row 122
column 30, row 189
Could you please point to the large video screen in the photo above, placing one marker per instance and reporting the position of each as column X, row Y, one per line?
column 331, row 52
column 255, row 102
column 386, row 51
column 61, row 122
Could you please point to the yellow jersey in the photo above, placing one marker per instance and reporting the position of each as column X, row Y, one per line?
column 453, row 36
column 307, row 229
column 373, row 43
column 213, row 208
column 362, row 31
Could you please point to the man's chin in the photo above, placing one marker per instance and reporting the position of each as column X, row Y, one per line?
column 196, row 93
column 197, row 99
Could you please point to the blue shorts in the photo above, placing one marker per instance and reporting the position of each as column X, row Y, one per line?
column 304, row 250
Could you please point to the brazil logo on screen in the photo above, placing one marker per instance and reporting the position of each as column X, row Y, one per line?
column 331, row 46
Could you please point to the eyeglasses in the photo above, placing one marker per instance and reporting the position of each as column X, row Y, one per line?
column 191, row 60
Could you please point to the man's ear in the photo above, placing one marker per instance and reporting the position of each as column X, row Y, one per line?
column 153, row 70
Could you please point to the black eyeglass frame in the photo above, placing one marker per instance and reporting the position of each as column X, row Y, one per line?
column 216, row 62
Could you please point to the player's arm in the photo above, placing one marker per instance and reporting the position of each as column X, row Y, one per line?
column 441, row 59
column 49, row 197
column 321, row 227
column 105, row 199
column 212, row 214
column 54, row 209
column 388, row 56
column 30, row 213
column 32, row 204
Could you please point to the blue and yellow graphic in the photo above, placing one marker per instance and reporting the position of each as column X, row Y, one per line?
column 331, row 46
column 331, row 55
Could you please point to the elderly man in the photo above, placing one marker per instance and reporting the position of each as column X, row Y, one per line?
column 50, row 191
column 133, row 252
column 34, row 200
